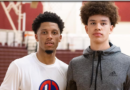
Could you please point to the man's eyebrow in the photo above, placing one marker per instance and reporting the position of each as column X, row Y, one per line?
column 95, row 20
column 91, row 20
column 104, row 20
column 43, row 29
column 52, row 30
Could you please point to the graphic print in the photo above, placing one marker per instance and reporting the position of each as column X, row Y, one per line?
column 48, row 85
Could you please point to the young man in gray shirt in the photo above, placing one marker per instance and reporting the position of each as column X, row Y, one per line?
column 102, row 66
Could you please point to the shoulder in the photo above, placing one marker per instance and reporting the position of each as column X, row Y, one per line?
column 121, row 60
column 124, row 58
column 62, row 64
column 78, row 59
column 24, row 61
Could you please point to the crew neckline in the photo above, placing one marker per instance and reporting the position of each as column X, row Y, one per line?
column 43, row 64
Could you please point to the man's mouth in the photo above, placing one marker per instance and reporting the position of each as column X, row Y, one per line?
column 49, row 43
column 97, row 34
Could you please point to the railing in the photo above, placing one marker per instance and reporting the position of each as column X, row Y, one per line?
column 8, row 38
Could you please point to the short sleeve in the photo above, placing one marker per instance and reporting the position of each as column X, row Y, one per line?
column 12, row 78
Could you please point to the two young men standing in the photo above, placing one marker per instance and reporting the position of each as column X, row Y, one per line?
column 101, row 67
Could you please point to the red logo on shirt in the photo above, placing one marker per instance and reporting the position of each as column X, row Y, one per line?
column 48, row 85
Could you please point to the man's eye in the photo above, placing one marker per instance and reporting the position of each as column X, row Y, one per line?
column 44, row 32
column 92, row 23
column 103, row 23
column 54, row 32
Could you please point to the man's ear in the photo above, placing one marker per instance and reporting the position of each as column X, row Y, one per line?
column 111, row 29
column 60, row 37
column 36, row 37
column 86, row 28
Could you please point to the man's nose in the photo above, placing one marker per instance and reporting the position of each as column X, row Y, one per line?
column 49, row 36
column 98, row 26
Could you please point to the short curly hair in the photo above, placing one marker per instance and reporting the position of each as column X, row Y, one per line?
column 47, row 17
column 106, row 8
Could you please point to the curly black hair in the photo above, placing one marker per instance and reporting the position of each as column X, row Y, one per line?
column 47, row 17
column 106, row 8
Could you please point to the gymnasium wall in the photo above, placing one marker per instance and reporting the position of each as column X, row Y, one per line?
column 31, row 14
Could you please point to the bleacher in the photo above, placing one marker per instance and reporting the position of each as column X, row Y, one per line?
column 7, row 55
column 67, row 55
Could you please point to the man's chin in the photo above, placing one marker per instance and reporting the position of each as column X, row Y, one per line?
column 98, row 41
column 49, row 51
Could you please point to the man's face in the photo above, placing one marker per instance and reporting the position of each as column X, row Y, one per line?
column 98, row 28
column 48, row 36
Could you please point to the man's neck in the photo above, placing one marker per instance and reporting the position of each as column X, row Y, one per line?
column 46, row 58
column 99, row 46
